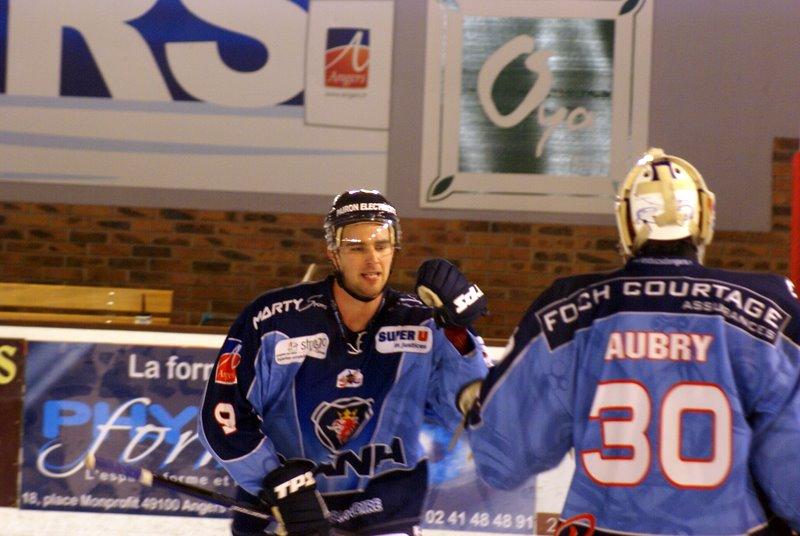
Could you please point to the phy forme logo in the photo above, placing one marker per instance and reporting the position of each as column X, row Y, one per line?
column 347, row 58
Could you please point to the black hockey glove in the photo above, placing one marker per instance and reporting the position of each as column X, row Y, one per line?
column 442, row 286
column 291, row 493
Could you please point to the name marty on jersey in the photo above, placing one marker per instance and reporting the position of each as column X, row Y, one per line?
column 743, row 301
column 285, row 306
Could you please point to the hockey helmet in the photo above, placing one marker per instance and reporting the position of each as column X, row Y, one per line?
column 664, row 197
column 356, row 206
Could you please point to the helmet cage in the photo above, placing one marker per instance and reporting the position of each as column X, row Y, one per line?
column 664, row 198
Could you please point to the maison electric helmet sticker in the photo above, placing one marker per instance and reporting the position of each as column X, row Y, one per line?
column 337, row 422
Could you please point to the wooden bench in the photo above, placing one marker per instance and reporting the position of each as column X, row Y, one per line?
column 70, row 303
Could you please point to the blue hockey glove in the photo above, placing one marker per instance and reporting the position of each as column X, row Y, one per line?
column 442, row 286
column 291, row 493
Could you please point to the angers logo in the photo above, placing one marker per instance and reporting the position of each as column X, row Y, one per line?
column 227, row 363
column 337, row 422
column 347, row 58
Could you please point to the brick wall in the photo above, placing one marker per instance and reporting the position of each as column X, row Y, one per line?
column 217, row 261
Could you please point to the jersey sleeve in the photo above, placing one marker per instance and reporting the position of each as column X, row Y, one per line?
column 526, row 421
column 451, row 371
column 228, row 425
column 775, row 420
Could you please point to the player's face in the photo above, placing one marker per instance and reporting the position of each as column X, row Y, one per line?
column 365, row 257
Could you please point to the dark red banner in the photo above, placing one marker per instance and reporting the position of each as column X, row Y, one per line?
column 12, row 379
column 794, row 259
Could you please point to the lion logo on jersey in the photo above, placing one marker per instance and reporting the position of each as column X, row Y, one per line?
column 337, row 422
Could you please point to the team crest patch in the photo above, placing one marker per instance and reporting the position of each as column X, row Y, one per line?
column 227, row 363
column 349, row 378
column 337, row 422
column 295, row 350
column 416, row 339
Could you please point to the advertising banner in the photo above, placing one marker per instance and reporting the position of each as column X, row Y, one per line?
column 12, row 375
column 533, row 105
column 137, row 404
column 458, row 500
column 348, row 64
column 182, row 94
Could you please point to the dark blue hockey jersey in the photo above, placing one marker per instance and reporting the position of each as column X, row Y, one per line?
column 292, row 382
column 675, row 384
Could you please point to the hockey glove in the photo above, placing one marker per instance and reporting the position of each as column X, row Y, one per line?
column 468, row 402
column 291, row 492
column 442, row 286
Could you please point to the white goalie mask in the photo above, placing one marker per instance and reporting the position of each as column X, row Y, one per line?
column 664, row 198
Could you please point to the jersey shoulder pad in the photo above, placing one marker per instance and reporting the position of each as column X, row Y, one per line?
column 564, row 287
column 777, row 289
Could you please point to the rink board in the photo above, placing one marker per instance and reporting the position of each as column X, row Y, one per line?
column 132, row 396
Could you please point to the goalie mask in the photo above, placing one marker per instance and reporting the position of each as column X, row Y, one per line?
column 664, row 198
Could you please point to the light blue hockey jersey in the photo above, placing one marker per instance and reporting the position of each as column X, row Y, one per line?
column 675, row 384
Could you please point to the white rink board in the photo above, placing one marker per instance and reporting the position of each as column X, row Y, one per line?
column 38, row 523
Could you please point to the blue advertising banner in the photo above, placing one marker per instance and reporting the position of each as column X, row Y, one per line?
column 458, row 500
column 137, row 405
column 190, row 95
column 132, row 404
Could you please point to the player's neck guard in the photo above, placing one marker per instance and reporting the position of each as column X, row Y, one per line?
column 684, row 248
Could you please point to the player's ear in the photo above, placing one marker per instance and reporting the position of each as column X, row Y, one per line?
column 333, row 257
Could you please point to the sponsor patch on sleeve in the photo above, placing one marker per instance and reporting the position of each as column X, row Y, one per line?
column 296, row 349
column 415, row 339
column 229, row 358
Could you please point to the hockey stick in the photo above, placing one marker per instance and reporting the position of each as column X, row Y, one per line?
column 154, row 480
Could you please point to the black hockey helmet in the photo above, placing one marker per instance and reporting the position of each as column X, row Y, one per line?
column 355, row 206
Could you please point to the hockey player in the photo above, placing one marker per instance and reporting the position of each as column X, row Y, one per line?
column 675, row 384
column 317, row 398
